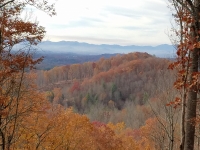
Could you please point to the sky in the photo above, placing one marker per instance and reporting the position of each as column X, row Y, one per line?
column 122, row 22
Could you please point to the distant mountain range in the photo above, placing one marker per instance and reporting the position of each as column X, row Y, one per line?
column 163, row 50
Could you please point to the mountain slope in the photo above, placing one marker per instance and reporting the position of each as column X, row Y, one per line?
column 118, row 79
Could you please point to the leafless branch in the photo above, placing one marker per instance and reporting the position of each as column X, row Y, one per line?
column 6, row 3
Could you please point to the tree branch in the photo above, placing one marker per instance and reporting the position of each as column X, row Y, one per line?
column 6, row 3
column 184, row 5
column 190, row 3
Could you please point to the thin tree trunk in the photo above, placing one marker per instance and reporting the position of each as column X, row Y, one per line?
column 183, row 122
column 2, row 137
column 184, row 95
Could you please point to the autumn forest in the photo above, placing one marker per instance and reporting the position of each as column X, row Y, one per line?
column 133, row 101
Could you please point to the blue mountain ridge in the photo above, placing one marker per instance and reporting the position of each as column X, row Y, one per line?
column 163, row 50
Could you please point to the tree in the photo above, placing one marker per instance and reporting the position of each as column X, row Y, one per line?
column 15, row 98
column 105, row 137
column 187, row 15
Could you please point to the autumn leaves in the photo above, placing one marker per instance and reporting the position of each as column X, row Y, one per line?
column 58, row 128
column 18, row 95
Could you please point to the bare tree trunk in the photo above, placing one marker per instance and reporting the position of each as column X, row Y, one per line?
column 183, row 122
column 192, row 94
column 191, row 106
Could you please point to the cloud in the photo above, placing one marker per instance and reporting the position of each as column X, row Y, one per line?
column 74, row 24
column 110, row 22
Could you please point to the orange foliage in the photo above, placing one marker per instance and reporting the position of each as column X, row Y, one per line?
column 18, row 96
column 75, row 87
column 56, row 128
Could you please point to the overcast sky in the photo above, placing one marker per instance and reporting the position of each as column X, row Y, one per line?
column 123, row 22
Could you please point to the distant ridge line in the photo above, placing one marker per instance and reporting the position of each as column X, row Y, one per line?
column 163, row 50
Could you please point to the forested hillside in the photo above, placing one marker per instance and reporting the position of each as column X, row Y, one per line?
column 110, row 84
column 131, row 89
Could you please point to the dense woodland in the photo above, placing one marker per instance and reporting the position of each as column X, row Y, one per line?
column 111, row 83
column 127, row 102
column 129, row 89
column 53, row 59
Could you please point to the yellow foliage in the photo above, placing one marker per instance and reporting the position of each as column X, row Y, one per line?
column 117, row 128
